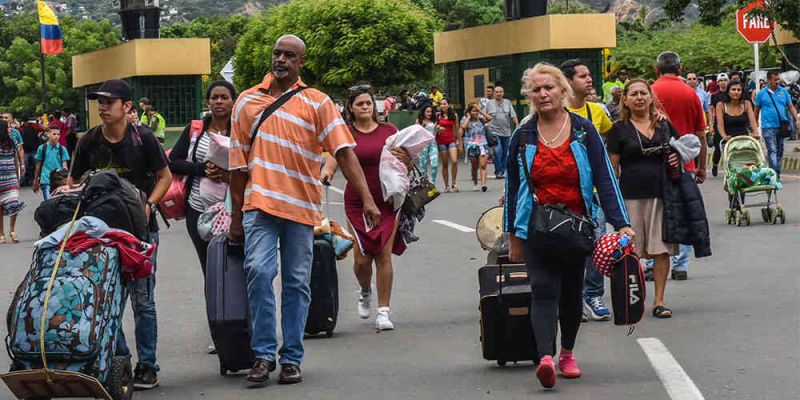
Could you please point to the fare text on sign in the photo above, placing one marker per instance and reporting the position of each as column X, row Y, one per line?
column 754, row 28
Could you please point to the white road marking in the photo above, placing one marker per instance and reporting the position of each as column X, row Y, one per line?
column 678, row 384
column 455, row 226
column 336, row 190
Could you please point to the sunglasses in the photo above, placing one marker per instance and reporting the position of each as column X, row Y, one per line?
column 359, row 88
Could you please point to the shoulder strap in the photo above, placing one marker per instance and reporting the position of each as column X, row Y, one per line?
column 195, row 130
column 774, row 104
column 589, row 113
column 272, row 108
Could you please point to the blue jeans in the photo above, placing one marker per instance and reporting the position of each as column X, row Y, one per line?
column 143, row 302
column 501, row 155
column 679, row 262
column 774, row 148
column 45, row 191
column 262, row 233
column 594, row 281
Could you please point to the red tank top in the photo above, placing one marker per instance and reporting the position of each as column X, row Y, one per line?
column 446, row 136
column 556, row 179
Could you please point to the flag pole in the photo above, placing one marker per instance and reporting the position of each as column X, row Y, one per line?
column 44, row 86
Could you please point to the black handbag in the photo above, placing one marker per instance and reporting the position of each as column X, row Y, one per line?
column 785, row 129
column 553, row 229
column 421, row 194
column 491, row 139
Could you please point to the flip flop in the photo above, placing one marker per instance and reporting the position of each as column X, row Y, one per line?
column 14, row 238
column 662, row 312
column 2, row 239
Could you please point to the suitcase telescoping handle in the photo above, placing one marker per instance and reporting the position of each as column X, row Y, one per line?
column 327, row 184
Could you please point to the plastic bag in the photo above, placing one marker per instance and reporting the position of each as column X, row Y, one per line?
column 393, row 173
column 218, row 149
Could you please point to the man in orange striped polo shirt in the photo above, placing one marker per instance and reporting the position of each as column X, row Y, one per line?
column 276, row 197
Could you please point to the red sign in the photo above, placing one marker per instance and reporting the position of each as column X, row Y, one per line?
column 753, row 28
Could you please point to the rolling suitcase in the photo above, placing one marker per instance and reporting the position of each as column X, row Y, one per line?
column 324, row 308
column 84, row 316
column 227, row 306
column 505, row 306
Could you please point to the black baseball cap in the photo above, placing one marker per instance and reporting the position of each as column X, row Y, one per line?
column 113, row 89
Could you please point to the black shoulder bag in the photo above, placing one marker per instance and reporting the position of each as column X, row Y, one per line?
column 271, row 109
column 785, row 130
column 552, row 228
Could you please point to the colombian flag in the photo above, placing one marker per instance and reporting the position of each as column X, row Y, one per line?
column 52, row 41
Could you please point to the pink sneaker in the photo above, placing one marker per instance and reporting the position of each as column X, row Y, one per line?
column 546, row 372
column 568, row 366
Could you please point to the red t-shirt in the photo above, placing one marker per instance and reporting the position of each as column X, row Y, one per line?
column 682, row 106
column 556, row 179
column 446, row 136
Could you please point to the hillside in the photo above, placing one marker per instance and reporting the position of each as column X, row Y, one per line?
column 173, row 10
column 185, row 10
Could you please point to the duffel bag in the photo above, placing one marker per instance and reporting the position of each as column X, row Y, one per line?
column 56, row 211
column 627, row 289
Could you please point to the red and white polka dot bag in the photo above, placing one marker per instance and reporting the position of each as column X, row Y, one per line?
column 603, row 253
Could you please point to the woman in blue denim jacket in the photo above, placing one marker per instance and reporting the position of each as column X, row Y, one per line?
column 567, row 159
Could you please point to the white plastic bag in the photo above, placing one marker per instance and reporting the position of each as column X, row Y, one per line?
column 218, row 150
column 393, row 173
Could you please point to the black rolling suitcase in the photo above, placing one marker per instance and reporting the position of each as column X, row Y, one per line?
column 505, row 305
column 227, row 306
column 324, row 308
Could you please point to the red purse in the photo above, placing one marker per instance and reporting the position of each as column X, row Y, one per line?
column 173, row 204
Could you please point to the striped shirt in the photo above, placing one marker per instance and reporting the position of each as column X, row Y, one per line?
column 284, row 162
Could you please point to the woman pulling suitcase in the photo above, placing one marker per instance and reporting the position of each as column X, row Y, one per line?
column 375, row 244
column 563, row 159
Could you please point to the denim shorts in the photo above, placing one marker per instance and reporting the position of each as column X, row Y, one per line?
column 445, row 147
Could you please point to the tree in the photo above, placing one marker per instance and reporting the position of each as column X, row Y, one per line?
column 20, row 86
column 702, row 48
column 459, row 14
column 224, row 33
column 575, row 7
column 674, row 9
column 384, row 42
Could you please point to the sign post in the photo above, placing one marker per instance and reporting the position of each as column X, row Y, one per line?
column 754, row 29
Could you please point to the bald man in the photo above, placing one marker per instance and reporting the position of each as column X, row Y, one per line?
column 275, row 172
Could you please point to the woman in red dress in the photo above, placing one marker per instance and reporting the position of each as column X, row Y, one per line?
column 374, row 245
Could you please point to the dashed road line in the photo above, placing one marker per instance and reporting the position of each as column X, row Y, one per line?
column 455, row 226
column 678, row 384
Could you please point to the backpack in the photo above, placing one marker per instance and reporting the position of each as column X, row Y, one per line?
column 173, row 204
column 116, row 202
column 60, row 157
column 627, row 289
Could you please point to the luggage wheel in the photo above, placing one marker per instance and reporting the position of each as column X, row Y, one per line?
column 501, row 363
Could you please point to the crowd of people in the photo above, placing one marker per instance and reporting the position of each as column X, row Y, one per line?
column 602, row 159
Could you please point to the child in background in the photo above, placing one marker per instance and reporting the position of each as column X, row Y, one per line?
column 50, row 156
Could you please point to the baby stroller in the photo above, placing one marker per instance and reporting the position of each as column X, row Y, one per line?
column 747, row 172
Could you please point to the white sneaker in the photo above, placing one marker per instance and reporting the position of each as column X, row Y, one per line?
column 475, row 188
column 382, row 322
column 364, row 304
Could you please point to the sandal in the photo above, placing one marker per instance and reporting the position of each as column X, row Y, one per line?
column 14, row 238
column 455, row 189
column 2, row 239
column 447, row 190
column 662, row 312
